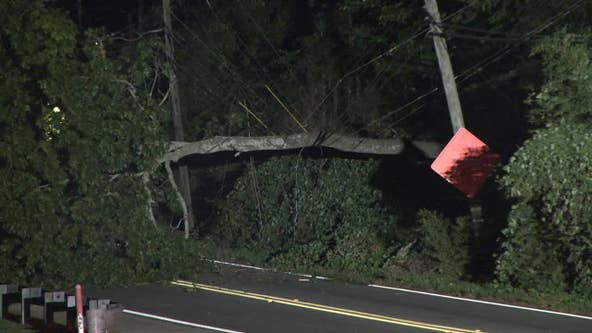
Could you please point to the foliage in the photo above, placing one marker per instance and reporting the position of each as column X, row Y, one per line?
column 72, row 200
column 550, row 177
column 304, row 213
column 566, row 94
column 304, row 51
column 523, row 262
column 446, row 241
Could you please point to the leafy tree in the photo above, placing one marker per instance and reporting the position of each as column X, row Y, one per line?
column 79, row 134
column 549, row 175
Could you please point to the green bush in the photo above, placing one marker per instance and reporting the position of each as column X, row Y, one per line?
column 446, row 241
column 75, row 141
column 548, row 240
column 304, row 213
column 529, row 259
column 549, row 176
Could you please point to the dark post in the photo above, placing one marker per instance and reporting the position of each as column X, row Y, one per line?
column 8, row 294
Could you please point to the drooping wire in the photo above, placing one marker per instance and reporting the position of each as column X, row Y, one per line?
column 479, row 66
column 388, row 52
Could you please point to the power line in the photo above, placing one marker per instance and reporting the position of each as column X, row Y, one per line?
column 244, row 86
column 466, row 74
column 388, row 52
column 473, row 70
column 255, row 60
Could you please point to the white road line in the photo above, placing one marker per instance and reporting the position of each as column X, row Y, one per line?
column 261, row 268
column 421, row 292
column 481, row 302
column 179, row 322
column 238, row 265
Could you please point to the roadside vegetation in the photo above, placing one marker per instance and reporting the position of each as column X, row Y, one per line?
column 85, row 120
column 11, row 327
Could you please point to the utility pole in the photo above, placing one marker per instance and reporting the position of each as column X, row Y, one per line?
column 183, row 172
column 454, row 108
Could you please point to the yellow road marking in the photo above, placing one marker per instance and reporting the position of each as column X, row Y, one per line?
column 324, row 308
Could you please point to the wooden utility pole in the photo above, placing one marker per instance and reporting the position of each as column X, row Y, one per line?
column 454, row 108
column 183, row 172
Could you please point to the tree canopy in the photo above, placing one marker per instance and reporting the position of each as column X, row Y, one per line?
column 85, row 127
column 78, row 133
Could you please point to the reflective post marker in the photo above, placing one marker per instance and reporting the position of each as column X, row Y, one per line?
column 79, row 309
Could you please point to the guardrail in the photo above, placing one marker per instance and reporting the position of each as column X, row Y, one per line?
column 34, row 307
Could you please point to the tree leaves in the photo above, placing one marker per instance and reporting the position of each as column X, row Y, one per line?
column 303, row 212
column 73, row 208
column 550, row 176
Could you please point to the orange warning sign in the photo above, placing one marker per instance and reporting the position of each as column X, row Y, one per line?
column 465, row 162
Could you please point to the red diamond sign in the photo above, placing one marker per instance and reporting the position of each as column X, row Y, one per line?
column 465, row 162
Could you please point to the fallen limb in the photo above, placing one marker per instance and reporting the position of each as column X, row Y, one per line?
column 240, row 144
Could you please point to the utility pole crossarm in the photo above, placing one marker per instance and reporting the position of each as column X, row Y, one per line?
column 454, row 107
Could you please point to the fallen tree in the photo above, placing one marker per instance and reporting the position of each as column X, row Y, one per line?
column 241, row 144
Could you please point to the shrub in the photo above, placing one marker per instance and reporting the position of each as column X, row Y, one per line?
column 550, row 177
column 548, row 238
column 529, row 258
column 304, row 213
column 446, row 241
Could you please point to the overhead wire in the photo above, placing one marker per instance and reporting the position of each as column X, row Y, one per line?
column 226, row 64
column 465, row 75
column 388, row 52
column 474, row 69
column 270, row 81
column 234, row 75
column 223, row 60
column 391, row 51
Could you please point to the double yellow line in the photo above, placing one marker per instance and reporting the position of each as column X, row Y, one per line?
column 324, row 308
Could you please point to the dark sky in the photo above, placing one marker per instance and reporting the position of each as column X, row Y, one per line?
column 114, row 15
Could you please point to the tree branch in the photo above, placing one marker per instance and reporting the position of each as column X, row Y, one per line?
column 149, row 212
column 167, row 165
column 240, row 144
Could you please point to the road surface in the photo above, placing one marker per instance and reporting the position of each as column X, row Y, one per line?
column 237, row 300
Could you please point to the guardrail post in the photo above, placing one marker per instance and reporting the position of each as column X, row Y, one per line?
column 71, row 311
column 102, row 315
column 53, row 301
column 8, row 294
column 29, row 296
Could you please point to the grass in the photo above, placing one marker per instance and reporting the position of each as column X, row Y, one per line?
column 12, row 327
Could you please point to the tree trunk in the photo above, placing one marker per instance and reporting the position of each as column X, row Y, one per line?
column 183, row 172
column 240, row 144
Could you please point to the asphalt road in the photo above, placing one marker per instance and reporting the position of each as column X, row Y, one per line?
column 251, row 301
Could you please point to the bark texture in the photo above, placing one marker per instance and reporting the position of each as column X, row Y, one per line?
column 239, row 144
